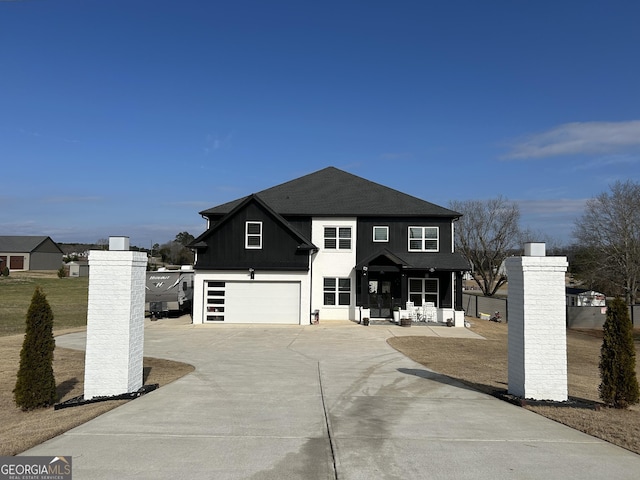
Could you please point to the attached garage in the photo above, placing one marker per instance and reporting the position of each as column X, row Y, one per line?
column 271, row 302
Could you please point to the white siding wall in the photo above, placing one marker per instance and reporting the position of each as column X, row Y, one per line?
column 202, row 277
column 333, row 263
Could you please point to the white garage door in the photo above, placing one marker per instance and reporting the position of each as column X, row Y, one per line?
column 254, row 302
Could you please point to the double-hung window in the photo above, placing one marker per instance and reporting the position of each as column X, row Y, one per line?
column 337, row 291
column 337, row 238
column 423, row 290
column 253, row 235
column 423, row 239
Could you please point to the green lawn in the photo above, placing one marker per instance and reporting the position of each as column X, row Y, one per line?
column 66, row 296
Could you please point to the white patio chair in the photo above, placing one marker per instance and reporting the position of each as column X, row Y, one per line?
column 429, row 312
column 411, row 309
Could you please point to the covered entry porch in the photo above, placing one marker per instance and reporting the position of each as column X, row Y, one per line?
column 386, row 282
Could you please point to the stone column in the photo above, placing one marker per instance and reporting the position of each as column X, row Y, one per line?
column 537, row 325
column 115, row 320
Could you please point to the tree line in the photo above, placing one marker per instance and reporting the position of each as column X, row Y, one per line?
column 604, row 257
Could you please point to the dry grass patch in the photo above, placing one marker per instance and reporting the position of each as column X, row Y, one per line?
column 482, row 364
column 20, row 430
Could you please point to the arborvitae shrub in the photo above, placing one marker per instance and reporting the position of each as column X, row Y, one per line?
column 5, row 271
column 62, row 272
column 36, row 385
column 619, row 386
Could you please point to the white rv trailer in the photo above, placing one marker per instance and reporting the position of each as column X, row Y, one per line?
column 169, row 292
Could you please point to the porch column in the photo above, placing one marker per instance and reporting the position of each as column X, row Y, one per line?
column 404, row 287
column 364, row 287
column 458, row 291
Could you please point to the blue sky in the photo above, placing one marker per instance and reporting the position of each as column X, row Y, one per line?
column 130, row 117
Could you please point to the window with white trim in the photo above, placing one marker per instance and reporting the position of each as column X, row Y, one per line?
column 253, row 235
column 337, row 238
column 337, row 291
column 380, row 234
column 423, row 290
column 424, row 239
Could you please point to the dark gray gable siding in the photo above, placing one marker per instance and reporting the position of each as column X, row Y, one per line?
column 223, row 246
column 398, row 243
column 333, row 192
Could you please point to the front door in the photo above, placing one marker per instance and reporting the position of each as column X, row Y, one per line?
column 380, row 299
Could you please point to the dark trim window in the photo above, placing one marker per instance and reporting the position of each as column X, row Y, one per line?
column 423, row 290
column 424, row 239
column 337, row 238
column 380, row 234
column 253, row 235
column 337, row 289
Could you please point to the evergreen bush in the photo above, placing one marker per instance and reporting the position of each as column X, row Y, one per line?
column 619, row 384
column 36, row 385
column 62, row 272
column 5, row 271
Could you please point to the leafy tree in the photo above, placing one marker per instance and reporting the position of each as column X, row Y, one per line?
column 184, row 238
column 486, row 235
column 35, row 384
column 176, row 251
column 619, row 386
column 610, row 231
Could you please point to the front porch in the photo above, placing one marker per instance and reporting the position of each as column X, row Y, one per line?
column 388, row 289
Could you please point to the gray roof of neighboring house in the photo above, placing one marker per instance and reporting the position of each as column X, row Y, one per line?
column 333, row 192
column 21, row 244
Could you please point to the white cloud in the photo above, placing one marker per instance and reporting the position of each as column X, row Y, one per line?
column 620, row 160
column 396, row 156
column 72, row 199
column 552, row 207
column 214, row 142
column 553, row 217
column 585, row 138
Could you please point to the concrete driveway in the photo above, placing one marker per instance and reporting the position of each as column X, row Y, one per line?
column 320, row 402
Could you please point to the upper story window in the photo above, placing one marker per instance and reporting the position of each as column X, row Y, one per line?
column 423, row 239
column 253, row 235
column 337, row 238
column 380, row 234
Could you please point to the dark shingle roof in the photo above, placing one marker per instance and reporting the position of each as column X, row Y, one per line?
column 21, row 244
column 333, row 192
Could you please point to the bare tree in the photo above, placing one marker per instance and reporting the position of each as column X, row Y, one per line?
column 610, row 230
column 486, row 234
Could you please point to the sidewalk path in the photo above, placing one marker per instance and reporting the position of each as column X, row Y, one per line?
column 320, row 402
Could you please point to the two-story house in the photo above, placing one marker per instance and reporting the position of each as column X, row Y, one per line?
column 328, row 241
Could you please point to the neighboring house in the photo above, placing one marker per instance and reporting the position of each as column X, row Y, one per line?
column 329, row 241
column 581, row 297
column 29, row 253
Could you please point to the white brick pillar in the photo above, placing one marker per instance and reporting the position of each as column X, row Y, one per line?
column 537, row 346
column 115, row 323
